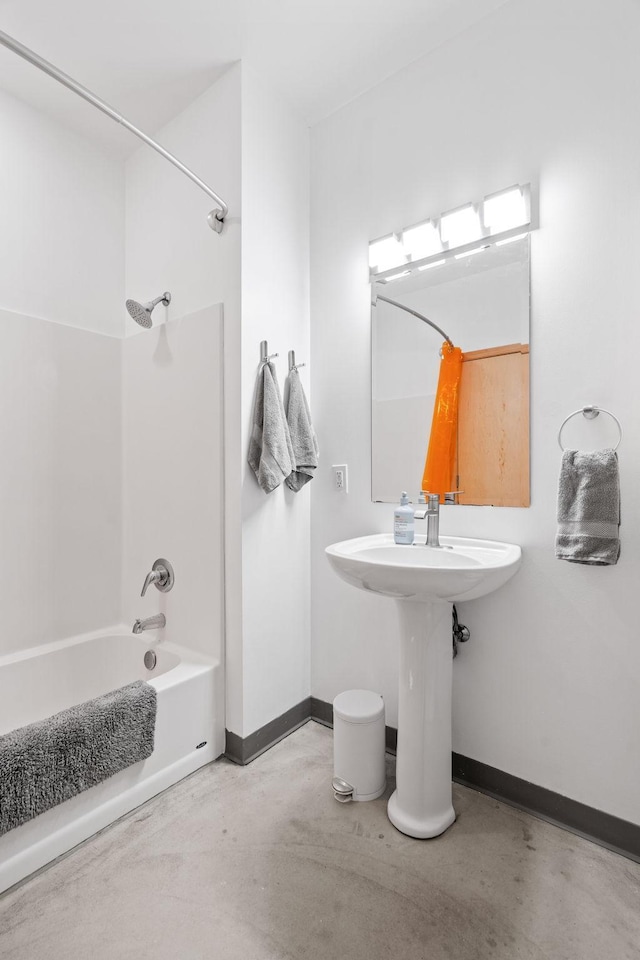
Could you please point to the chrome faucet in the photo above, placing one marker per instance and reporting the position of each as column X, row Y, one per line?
column 432, row 513
column 433, row 520
column 151, row 623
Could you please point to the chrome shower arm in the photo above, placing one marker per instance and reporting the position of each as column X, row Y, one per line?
column 215, row 217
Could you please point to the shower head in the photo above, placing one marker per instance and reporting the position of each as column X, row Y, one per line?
column 141, row 312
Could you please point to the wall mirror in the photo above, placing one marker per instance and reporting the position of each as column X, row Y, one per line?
column 482, row 303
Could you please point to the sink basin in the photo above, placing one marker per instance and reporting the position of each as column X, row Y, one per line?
column 424, row 581
column 462, row 569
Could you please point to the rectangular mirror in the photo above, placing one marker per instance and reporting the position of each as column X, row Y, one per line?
column 482, row 304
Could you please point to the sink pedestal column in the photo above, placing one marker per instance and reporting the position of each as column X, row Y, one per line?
column 421, row 804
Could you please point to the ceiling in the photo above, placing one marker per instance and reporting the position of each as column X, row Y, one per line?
column 150, row 58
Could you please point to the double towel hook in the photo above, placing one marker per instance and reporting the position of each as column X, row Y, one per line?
column 265, row 356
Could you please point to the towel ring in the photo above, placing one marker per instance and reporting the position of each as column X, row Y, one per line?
column 590, row 413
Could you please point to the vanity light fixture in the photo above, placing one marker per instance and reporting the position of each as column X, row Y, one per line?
column 386, row 253
column 518, row 236
column 396, row 276
column 505, row 210
column 499, row 218
column 470, row 253
column 461, row 226
column 421, row 241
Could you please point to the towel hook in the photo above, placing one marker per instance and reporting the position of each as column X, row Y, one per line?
column 292, row 361
column 590, row 413
column 265, row 356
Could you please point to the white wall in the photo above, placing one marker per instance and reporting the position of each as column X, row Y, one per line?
column 61, row 267
column 62, row 202
column 275, row 668
column 540, row 92
column 174, row 408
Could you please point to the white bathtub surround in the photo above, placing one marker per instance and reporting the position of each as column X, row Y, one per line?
column 61, row 503
column 79, row 404
column 68, row 672
column 173, row 470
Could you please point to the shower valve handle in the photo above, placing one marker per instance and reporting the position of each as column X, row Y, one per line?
column 161, row 575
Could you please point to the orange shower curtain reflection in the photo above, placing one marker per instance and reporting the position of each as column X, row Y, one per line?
column 439, row 469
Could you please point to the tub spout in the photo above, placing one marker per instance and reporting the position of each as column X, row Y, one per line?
column 151, row 623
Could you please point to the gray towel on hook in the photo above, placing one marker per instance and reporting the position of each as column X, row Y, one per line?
column 270, row 451
column 589, row 507
column 303, row 437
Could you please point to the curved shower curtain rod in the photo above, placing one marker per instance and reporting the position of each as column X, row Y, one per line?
column 215, row 217
column 394, row 303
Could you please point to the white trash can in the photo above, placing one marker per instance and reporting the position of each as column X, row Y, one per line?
column 358, row 745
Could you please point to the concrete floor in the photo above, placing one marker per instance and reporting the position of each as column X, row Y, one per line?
column 261, row 863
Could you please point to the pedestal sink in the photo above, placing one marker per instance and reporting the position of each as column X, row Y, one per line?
column 425, row 582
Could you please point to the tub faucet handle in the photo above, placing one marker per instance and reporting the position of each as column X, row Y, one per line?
column 162, row 575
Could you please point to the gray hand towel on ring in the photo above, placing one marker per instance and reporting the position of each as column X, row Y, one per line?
column 589, row 507
column 270, row 451
column 303, row 437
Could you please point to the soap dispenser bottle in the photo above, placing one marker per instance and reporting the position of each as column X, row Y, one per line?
column 404, row 526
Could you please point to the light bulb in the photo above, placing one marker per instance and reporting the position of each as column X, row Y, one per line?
column 421, row 241
column 460, row 226
column 505, row 210
column 386, row 253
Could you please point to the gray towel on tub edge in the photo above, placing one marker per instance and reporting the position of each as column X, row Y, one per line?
column 589, row 507
column 49, row 761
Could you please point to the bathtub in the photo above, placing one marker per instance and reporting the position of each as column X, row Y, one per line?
column 39, row 682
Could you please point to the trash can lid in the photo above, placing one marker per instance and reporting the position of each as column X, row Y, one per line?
column 359, row 706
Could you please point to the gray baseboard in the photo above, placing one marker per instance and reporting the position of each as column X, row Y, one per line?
column 244, row 750
column 608, row 831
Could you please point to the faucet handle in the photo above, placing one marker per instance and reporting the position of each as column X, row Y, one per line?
column 150, row 578
column 162, row 575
